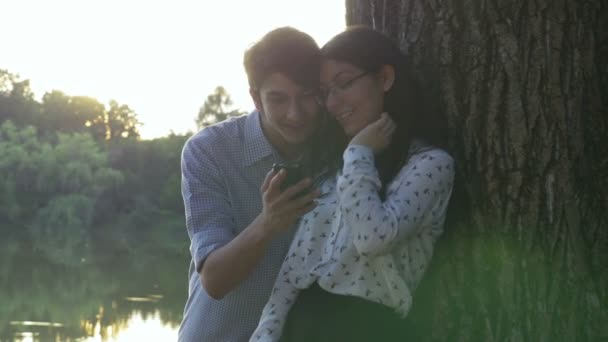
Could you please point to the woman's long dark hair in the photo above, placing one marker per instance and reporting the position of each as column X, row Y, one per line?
column 370, row 50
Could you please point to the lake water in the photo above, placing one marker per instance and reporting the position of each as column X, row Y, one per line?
column 137, row 296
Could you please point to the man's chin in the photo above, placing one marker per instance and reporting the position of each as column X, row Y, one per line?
column 296, row 142
column 297, row 138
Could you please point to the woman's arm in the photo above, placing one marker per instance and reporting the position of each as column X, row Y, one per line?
column 423, row 188
column 275, row 311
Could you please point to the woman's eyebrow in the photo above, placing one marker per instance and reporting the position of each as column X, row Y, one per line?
column 333, row 79
column 339, row 74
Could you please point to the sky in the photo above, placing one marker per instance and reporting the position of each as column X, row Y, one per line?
column 160, row 57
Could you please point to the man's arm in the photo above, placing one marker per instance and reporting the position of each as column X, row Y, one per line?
column 226, row 267
column 222, row 259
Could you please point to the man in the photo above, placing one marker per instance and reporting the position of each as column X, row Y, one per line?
column 239, row 221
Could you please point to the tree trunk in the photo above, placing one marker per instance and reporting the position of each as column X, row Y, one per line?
column 524, row 87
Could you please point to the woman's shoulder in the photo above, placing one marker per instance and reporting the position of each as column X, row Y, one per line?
column 426, row 163
column 421, row 151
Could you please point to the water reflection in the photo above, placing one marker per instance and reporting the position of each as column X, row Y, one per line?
column 110, row 297
column 138, row 328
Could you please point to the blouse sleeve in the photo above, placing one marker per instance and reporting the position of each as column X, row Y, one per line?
column 274, row 314
column 421, row 188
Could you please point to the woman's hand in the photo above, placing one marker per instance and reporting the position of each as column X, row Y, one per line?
column 376, row 135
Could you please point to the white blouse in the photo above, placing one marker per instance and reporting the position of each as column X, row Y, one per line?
column 354, row 244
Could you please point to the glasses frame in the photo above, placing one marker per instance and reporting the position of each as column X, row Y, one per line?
column 341, row 88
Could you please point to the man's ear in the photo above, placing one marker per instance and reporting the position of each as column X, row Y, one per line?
column 255, row 96
column 388, row 77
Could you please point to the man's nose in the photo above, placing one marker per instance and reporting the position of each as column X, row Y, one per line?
column 294, row 112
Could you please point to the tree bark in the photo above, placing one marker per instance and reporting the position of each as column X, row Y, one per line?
column 524, row 88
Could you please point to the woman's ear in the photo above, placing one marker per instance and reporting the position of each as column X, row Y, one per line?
column 255, row 96
column 388, row 77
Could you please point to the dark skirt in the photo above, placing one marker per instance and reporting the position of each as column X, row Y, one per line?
column 318, row 316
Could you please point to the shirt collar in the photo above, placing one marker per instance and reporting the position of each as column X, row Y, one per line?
column 256, row 146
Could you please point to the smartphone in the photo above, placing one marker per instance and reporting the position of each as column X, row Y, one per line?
column 295, row 173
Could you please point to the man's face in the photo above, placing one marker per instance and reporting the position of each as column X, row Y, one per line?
column 290, row 113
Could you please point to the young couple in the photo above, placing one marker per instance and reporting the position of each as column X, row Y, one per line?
column 337, row 256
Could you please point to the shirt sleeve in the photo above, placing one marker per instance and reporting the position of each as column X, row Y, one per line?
column 209, row 219
column 422, row 187
column 275, row 311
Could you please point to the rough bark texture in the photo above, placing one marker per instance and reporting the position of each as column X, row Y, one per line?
column 524, row 87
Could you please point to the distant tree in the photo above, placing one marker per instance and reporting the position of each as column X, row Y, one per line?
column 80, row 191
column 17, row 102
column 69, row 114
column 52, row 190
column 59, row 112
column 121, row 122
column 11, row 84
column 216, row 108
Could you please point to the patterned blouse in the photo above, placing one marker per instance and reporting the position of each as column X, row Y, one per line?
column 354, row 244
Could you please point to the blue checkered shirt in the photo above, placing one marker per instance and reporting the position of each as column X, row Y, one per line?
column 223, row 167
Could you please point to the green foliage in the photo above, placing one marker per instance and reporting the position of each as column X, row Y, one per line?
column 121, row 122
column 52, row 189
column 73, row 185
column 89, row 214
column 216, row 108
column 12, row 85
column 63, row 113
column 492, row 287
column 17, row 102
column 58, row 112
column 60, row 230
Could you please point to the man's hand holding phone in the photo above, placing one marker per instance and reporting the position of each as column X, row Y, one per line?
column 286, row 197
column 294, row 173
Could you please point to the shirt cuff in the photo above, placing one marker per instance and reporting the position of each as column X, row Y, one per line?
column 205, row 242
column 358, row 153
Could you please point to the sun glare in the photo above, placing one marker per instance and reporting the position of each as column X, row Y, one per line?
column 162, row 58
column 138, row 328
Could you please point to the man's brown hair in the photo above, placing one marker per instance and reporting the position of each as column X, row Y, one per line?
column 285, row 50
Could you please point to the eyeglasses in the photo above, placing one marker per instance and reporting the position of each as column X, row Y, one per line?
column 340, row 88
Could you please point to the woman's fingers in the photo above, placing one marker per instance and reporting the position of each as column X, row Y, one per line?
column 391, row 131
column 389, row 128
column 386, row 121
column 377, row 135
column 381, row 122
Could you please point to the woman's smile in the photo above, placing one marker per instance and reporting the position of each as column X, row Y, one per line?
column 343, row 116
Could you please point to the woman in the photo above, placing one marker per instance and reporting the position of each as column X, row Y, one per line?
column 370, row 239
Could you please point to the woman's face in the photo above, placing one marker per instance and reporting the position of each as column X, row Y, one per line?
column 354, row 97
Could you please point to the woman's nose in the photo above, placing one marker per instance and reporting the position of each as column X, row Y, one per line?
column 332, row 102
